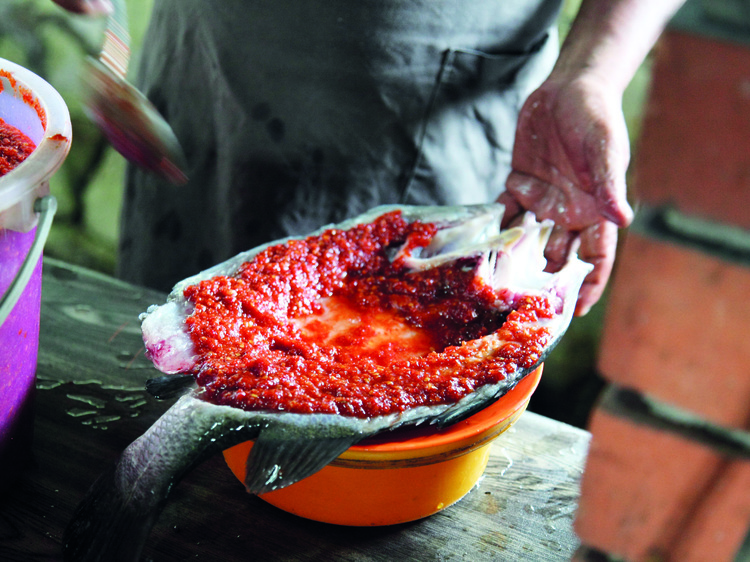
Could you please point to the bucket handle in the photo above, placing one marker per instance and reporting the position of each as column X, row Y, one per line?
column 46, row 207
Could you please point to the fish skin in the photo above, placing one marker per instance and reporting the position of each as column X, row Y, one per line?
column 114, row 519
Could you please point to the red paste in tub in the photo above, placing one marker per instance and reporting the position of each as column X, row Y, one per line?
column 15, row 147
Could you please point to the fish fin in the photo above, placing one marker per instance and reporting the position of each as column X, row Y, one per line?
column 169, row 386
column 280, row 457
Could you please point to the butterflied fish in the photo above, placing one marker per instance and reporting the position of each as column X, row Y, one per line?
column 114, row 519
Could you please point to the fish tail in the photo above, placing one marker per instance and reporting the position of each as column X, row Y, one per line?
column 107, row 525
column 115, row 517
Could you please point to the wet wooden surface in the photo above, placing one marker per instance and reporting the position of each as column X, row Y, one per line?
column 91, row 404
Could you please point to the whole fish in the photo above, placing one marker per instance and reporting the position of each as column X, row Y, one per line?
column 114, row 519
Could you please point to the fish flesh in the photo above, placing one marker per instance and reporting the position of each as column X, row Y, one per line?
column 113, row 521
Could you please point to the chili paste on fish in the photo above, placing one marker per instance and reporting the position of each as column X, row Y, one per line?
column 15, row 147
column 333, row 324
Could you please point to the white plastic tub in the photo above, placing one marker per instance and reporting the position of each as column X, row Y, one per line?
column 30, row 104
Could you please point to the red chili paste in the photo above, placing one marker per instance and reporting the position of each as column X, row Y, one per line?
column 15, row 147
column 27, row 95
column 328, row 324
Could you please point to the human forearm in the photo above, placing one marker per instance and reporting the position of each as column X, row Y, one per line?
column 572, row 150
column 609, row 39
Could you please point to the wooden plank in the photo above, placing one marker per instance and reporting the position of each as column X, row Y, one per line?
column 91, row 404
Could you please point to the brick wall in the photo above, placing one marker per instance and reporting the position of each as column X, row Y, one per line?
column 668, row 473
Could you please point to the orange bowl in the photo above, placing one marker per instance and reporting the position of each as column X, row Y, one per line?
column 398, row 476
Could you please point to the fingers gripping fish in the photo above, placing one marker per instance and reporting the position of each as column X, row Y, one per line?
column 297, row 437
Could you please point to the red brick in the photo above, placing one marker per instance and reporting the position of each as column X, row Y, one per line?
column 695, row 132
column 676, row 328
column 639, row 488
column 720, row 523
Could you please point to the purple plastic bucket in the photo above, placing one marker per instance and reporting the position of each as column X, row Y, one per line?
column 30, row 104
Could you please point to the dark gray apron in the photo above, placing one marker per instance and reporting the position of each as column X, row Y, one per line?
column 298, row 113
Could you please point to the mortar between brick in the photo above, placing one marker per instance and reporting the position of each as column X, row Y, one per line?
column 643, row 409
column 717, row 239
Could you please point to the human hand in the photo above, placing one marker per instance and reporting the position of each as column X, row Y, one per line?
column 569, row 162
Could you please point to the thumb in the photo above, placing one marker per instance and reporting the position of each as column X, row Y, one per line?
column 612, row 203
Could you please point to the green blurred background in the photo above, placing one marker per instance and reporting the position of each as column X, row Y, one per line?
column 53, row 43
